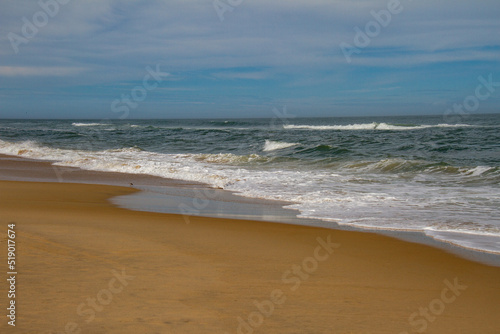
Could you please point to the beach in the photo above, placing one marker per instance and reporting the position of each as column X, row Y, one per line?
column 250, row 167
column 86, row 266
column 399, row 174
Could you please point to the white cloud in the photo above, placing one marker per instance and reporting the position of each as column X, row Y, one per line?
column 295, row 35
column 102, row 43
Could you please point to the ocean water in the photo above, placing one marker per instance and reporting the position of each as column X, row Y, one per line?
column 393, row 173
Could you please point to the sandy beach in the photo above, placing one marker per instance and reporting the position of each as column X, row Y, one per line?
column 250, row 167
column 85, row 266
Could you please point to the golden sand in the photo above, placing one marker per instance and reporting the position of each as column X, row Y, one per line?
column 85, row 266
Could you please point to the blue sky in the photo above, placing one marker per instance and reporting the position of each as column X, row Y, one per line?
column 86, row 57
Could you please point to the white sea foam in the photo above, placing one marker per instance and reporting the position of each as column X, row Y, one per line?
column 356, row 195
column 370, row 126
column 225, row 158
column 270, row 145
column 475, row 240
column 87, row 124
column 26, row 148
column 479, row 170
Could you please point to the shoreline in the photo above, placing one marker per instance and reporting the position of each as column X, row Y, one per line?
column 206, row 201
column 226, row 276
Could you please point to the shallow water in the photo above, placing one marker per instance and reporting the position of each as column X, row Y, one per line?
column 394, row 173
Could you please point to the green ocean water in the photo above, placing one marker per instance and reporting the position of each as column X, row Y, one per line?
column 425, row 173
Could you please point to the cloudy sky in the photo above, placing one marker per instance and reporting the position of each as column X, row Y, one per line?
column 242, row 58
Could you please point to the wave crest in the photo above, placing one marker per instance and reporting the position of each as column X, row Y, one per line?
column 270, row 145
column 87, row 124
column 229, row 158
column 371, row 126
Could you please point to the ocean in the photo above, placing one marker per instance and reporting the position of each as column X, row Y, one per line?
column 391, row 173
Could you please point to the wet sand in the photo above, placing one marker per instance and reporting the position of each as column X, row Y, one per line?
column 85, row 266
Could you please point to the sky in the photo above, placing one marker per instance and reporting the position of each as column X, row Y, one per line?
column 106, row 59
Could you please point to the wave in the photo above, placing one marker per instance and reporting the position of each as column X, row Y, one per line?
column 480, row 170
column 227, row 158
column 400, row 166
column 23, row 148
column 124, row 150
column 473, row 239
column 187, row 128
column 417, row 167
column 471, row 228
column 88, row 124
column 270, row 145
column 371, row 126
column 225, row 123
column 356, row 193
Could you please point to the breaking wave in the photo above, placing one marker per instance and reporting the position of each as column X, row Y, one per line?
column 371, row 126
column 270, row 145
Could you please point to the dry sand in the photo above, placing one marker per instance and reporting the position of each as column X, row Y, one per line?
column 85, row 266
